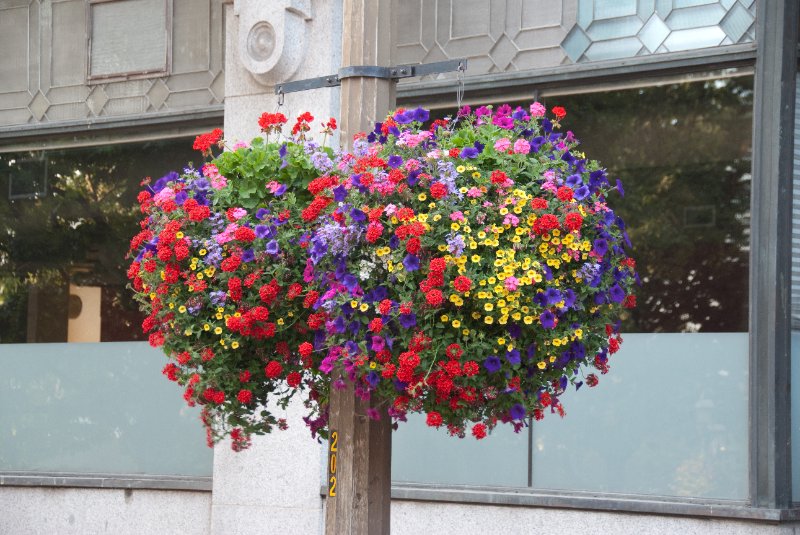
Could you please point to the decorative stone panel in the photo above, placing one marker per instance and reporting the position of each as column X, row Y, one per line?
column 44, row 64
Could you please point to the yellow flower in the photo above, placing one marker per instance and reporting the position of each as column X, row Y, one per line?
column 187, row 332
column 476, row 175
column 475, row 258
column 541, row 365
column 172, row 305
column 455, row 226
column 422, row 196
column 179, row 235
column 501, row 341
column 476, row 315
column 364, row 307
column 202, row 252
column 218, row 315
column 199, row 276
column 488, row 320
column 456, row 324
column 373, row 365
column 461, row 168
column 437, row 217
column 181, row 309
column 445, row 318
column 488, row 307
column 281, row 321
column 234, row 344
column 206, row 327
column 218, row 330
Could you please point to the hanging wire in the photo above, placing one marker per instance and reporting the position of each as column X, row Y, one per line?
column 460, row 86
column 281, row 94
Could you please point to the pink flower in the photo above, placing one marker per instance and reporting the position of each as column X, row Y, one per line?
column 511, row 284
column 538, row 109
column 237, row 213
column 474, row 192
column 241, row 145
column 166, row 194
column 521, row 146
column 412, row 164
column 457, row 216
column 502, row 144
column 511, row 219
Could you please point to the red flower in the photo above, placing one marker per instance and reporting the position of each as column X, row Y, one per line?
column 273, row 369
column 385, row 306
column 471, row 368
column 538, row 203
column 564, row 193
column 630, row 301
column 434, row 419
column 244, row 376
column 479, row 431
column 559, row 112
column 454, row 152
column 573, row 221
column 592, row 380
column 171, row 371
column 305, row 349
column 244, row 396
column 374, row 231
column 545, row 399
column 244, row 234
column 388, row 371
column 413, row 245
column 545, row 224
column 376, row 325
column 454, row 351
column 269, row 121
column 434, row 297
column 498, row 177
column 462, row 283
column 203, row 142
column 438, row 265
column 438, row 190
column 231, row 263
column 293, row 379
column 311, row 298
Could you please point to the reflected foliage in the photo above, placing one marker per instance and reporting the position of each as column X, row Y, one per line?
column 683, row 154
column 66, row 217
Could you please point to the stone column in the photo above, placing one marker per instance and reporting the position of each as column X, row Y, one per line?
column 274, row 487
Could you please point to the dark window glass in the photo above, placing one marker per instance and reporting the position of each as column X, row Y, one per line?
column 683, row 153
column 66, row 218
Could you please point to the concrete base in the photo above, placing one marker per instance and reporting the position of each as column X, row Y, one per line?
column 71, row 511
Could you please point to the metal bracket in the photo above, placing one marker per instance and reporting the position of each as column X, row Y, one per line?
column 373, row 71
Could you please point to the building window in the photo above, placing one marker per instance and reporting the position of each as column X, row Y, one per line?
column 671, row 417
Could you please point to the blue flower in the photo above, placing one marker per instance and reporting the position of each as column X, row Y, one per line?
column 469, row 152
column 421, row 115
column 616, row 293
column 358, row 215
column 619, row 188
column 492, row 363
column 339, row 193
column 261, row 213
column 582, row 192
column 600, row 246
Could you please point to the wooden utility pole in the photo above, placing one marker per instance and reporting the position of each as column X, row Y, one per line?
column 360, row 449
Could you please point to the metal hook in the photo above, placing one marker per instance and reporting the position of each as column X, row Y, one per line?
column 460, row 86
column 281, row 94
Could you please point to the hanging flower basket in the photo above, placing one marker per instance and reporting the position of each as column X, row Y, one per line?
column 470, row 269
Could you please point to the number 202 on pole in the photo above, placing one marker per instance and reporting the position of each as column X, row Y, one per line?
column 333, row 445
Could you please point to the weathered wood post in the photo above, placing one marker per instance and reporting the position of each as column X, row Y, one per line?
column 360, row 449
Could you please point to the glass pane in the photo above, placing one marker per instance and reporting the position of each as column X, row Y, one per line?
column 653, row 427
column 670, row 418
column 795, row 319
column 422, row 454
column 66, row 218
column 95, row 408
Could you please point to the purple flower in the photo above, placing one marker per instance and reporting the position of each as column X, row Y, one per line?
column 395, row 161
column 378, row 343
column 619, row 188
column 469, row 152
column 358, row 215
column 280, row 191
column 408, row 320
column 421, row 115
column 492, row 363
column 411, row 262
column 261, row 213
column 248, row 255
column 373, row 413
column 262, row 231
column 547, row 319
column 616, row 293
column 517, row 412
column 339, row 193
column 582, row 192
column 513, row 357
column 600, row 246
column 272, row 247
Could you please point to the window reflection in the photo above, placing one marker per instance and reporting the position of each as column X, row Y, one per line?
column 65, row 222
column 683, row 154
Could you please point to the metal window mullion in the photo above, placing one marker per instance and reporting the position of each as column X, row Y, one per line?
column 770, row 257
